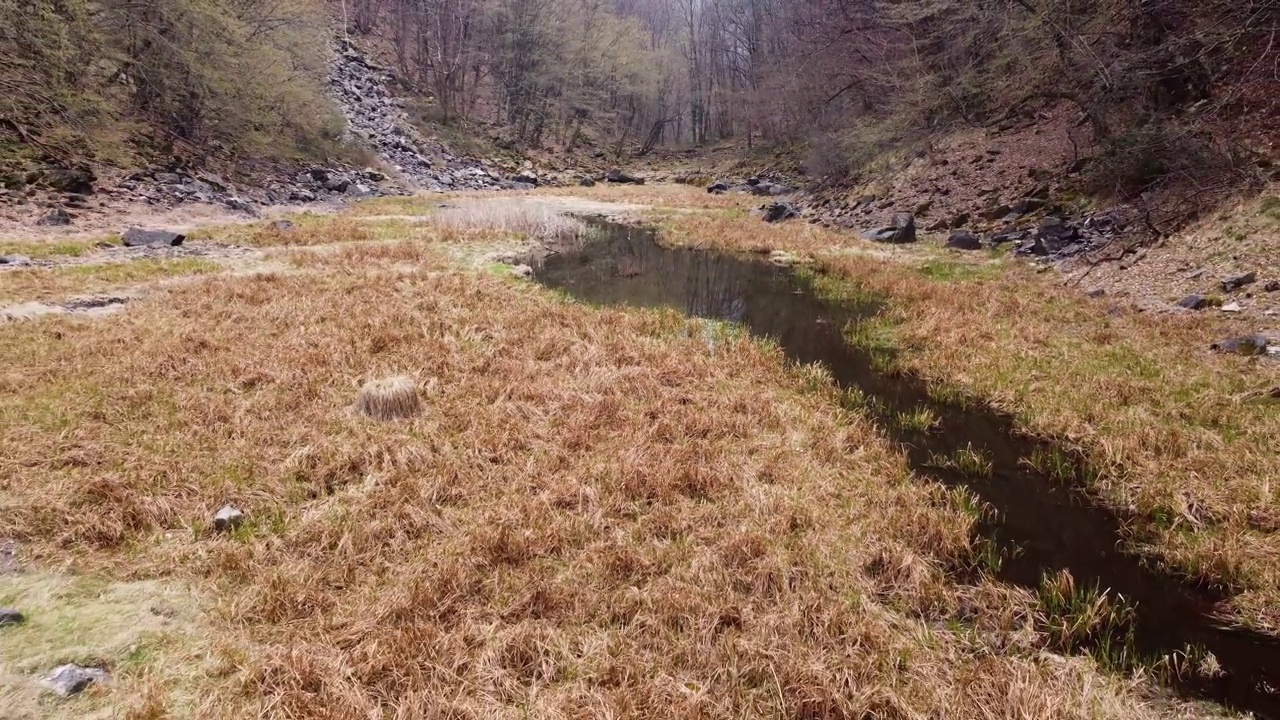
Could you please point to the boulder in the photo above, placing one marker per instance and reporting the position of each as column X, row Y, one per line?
column 15, row 260
column 996, row 213
column 527, row 178
column 1246, row 345
column 620, row 177
column 903, row 230
column 9, row 616
column 1236, row 282
column 337, row 184
column 1272, row 286
column 137, row 237
column 964, row 241
column 719, row 187
column 1053, row 235
column 960, row 221
column 779, row 211
column 587, row 182
column 68, row 680
column 56, row 217
column 71, row 180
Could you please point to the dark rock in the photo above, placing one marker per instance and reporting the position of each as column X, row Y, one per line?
column 996, row 213
column 618, row 176
column 137, row 237
column 56, row 217
column 375, row 176
column 1194, row 302
column 779, row 211
column 283, row 226
column 753, row 181
column 587, row 182
column 1097, row 293
column 719, row 187
column 960, row 221
column 337, row 184
column 240, row 205
column 15, row 260
column 1272, row 286
column 1053, row 236
column 526, row 178
column 519, row 186
column 228, row 518
column 964, row 241
column 76, row 200
column 319, row 175
column 903, row 230
column 1029, row 205
column 72, row 180
column 1247, row 345
column 1236, row 282
column 68, row 680
column 9, row 616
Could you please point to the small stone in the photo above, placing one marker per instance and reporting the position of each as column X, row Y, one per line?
column 9, row 616
column 1238, row 281
column 523, row 272
column 283, row 226
column 1096, row 293
column 228, row 518
column 1233, row 307
column 68, row 680
column 1272, row 286
column 1195, row 275
column 1193, row 302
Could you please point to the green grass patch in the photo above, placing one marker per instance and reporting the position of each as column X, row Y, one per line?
column 945, row 271
column 140, row 270
column 49, row 250
column 966, row 460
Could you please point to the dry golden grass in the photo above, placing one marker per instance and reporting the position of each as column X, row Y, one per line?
column 1184, row 437
column 61, row 282
column 660, row 196
column 593, row 517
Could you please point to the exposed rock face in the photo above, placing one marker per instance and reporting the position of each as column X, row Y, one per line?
column 360, row 88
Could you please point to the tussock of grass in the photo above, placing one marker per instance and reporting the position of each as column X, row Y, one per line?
column 1161, row 419
column 596, row 516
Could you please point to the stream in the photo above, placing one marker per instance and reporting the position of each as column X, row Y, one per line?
column 1040, row 525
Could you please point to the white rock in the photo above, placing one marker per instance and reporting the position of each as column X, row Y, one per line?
column 68, row 680
column 1233, row 307
column 228, row 518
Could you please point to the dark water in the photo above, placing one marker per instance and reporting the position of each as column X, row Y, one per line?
column 1040, row 525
